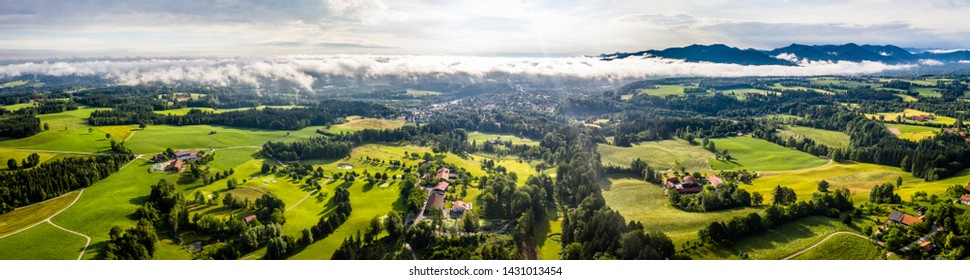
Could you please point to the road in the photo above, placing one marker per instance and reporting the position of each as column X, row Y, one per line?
column 827, row 238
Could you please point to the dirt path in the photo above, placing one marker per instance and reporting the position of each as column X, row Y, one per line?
column 301, row 200
column 86, row 243
column 827, row 238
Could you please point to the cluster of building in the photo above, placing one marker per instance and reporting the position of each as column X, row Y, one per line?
column 689, row 185
column 955, row 131
column 174, row 163
column 436, row 195
column 922, row 118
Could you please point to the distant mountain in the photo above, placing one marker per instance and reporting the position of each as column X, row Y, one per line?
column 720, row 53
column 717, row 53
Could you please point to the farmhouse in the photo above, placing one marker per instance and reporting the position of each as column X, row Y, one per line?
column 249, row 219
column 715, row 181
column 923, row 118
column 186, row 155
column 435, row 201
column 174, row 165
column 688, row 186
column 965, row 199
column 459, row 207
column 926, row 246
column 440, row 188
column 903, row 219
column 444, row 173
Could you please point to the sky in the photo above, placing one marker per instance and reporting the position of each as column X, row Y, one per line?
column 196, row 28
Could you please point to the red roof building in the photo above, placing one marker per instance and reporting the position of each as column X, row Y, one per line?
column 249, row 219
column 715, row 181
column 965, row 199
column 435, row 201
column 441, row 187
column 175, row 165
column 444, row 173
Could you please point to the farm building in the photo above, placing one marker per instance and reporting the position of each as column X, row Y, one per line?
column 441, row 187
column 186, row 155
column 444, row 173
column 249, row 219
column 174, row 165
column 965, row 199
column 923, row 118
column 926, row 246
column 435, row 201
column 688, row 186
column 715, row 181
column 903, row 219
column 459, row 207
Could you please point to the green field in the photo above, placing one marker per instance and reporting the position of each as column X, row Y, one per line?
column 34, row 213
column 890, row 116
column 785, row 240
column 13, row 84
column 355, row 124
column 184, row 111
column 781, row 87
column 16, row 107
column 68, row 132
column 20, row 155
column 418, row 93
column 641, row 201
column 749, row 90
column 844, row 247
column 156, row 138
column 755, row 154
column 481, row 138
column 42, row 242
column 664, row 90
column 661, row 155
column 826, row 137
column 857, row 177
column 912, row 132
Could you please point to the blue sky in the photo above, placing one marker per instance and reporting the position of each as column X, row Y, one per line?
column 488, row 28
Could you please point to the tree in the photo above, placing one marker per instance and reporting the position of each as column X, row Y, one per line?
column 783, row 195
column 394, row 225
column 757, row 199
column 823, row 186
column 899, row 181
column 12, row 164
column 469, row 222
column 107, row 135
column 47, row 127
column 90, row 130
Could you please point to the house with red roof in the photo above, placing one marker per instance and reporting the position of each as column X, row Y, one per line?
column 443, row 173
column 903, row 219
column 965, row 199
column 715, row 181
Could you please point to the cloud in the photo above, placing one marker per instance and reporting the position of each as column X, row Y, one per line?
column 304, row 70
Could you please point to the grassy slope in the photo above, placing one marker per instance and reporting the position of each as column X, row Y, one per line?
column 825, row 137
column 354, row 124
column 778, row 242
column 183, row 111
column 481, row 138
column 43, row 242
column 68, row 132
column 417, row 92
column 34, row 213
column 844, row 247
column 660, row 155
column 664, row 90
column 756, row 154
column 19, row 156
column 156, row 138
column 645, row 202
column 913, row 132
column 912, row 112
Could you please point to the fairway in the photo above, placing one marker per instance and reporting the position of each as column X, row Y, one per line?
column 644, row 202
column 661, row 155
column 829, row 138
column 759, row 155
column 844, row 247
column 481, row 138
column 42, row 242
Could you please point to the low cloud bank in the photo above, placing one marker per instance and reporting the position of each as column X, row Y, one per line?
column 304, row 70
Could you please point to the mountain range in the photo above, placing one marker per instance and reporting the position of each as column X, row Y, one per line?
column 795, row 53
